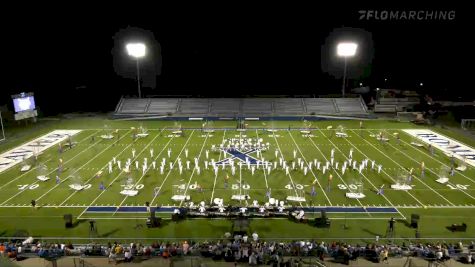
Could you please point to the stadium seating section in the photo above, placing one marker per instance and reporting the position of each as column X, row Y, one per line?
column 240, row 107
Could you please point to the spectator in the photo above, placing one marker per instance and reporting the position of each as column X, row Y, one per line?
column 185, row 247
column 128, row 256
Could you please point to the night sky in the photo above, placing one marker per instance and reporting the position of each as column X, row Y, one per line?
column 71, row 57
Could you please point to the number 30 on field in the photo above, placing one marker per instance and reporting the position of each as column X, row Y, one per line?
column 458, row 186
column 27, row 186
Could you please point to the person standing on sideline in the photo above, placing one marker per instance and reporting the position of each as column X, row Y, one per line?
column 330, row 178
column 423, row 169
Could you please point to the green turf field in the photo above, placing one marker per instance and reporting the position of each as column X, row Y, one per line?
column 438, row 204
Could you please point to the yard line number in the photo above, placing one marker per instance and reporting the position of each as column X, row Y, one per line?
column 458, row 186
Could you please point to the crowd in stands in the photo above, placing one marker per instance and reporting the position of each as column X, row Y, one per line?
column 242, row 249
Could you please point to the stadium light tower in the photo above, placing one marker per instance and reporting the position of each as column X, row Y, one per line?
column 136, row 50
column 345, row 50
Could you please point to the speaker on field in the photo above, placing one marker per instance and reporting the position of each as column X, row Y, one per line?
column 415, row 220
column 68, row 220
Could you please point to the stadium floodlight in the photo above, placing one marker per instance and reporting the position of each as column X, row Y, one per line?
column 421, row 84
column 136, row 50
column 345, row 50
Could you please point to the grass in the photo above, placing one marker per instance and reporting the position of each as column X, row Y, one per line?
column 438, row 205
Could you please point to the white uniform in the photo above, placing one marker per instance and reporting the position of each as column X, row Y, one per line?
column 161, row 169
column 186, row 152
column 110, row 167
column 207, row 154
column 305, row 170
column 133, row 153
column 295, row 153
column 118, row 164
column 151, row 152
column 169, row 151
column 154, row 164
column 379, row 168
column 136, row 165
column 187, row 164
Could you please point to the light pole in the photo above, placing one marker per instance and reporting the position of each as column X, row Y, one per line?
column 345, row 50
column 136, row 50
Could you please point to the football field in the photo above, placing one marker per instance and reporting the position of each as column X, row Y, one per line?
column 362, row 197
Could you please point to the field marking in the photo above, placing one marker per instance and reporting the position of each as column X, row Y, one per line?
column 37, row 182
column 118, row 175
column 397, row 149
column 427, row 155
column 11, row 181
column 143, row 174
column 369, row 181
column 391, row 178
column 169, row 171
column 216, row 176
column 386, row 173
column 80, row 168
column 404, row 168
column 71, row 195
column 263, row 169
column 323, row 190
column 194, row 169
column 337, row 173
column 290, row 176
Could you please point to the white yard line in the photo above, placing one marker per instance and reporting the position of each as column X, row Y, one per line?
column 290, row 176
column 337, row 173
column 264, row 170
column 170, row 171
column 194, row 169
column 118, row 175
column 433, row 158
column 400, row 166
column 143, row 174
column 369, row 181
column 11, row 181
column 116, row 156
column 430, row 170
column 216, row 176
column 37, row 182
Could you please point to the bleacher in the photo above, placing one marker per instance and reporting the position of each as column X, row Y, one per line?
column 350, row 105
column 194, row 106
column 134, row 106
column 400, row 104
column 292, row 106
column 225, row 106
column 163, row 105
column 320, row 105
column 232, row 107
column 257, row 106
